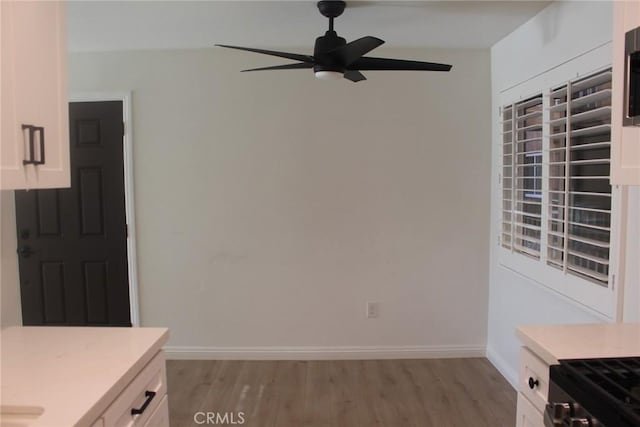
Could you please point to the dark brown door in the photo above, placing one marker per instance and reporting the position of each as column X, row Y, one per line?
column 72, row 243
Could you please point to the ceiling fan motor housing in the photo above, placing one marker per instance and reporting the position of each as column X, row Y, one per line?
column 331, row 9
column 331, row 40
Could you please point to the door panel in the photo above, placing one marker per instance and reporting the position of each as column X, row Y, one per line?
column 53, row 292
column 72, row 242
column 90, row 187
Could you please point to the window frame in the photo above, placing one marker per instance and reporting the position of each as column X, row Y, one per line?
column 580, row 128
column 601, row 301
column 525, row 202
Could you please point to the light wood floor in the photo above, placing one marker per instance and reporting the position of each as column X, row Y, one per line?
column 369, row 393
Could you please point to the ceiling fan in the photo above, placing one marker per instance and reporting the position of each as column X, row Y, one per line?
column 334, row 58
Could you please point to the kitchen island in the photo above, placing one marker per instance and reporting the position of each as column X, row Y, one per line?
column 82, row 376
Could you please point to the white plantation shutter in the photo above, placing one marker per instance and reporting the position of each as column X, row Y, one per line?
column 579, row 204
column 527, row 176
column 567, row 222
column 507, row 176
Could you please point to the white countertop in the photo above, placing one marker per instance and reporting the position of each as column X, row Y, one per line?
column 73, row 373
column 582, row 341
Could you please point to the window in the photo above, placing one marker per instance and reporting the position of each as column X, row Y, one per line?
column 556, row 196
column 528, row 177
column 507, row 176
column 579, row 211
column 522, row 176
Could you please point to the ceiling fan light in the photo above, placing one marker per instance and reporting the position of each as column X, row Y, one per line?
column 328, row 75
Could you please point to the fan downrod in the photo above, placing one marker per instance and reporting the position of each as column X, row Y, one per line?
column 331, row 9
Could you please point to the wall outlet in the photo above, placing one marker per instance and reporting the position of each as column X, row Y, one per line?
column 373, row 309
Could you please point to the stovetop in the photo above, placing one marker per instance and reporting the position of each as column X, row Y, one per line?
column 609, row 389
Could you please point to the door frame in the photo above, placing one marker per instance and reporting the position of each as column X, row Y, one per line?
column 132, row 258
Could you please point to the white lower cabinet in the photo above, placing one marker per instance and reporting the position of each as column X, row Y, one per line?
column 533, row 390
column 144, row 402
column 528, row 415
column 160, row 417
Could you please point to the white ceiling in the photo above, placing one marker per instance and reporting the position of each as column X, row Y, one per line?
column 115, row 25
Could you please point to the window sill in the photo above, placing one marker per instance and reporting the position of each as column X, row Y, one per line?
column 584, row 294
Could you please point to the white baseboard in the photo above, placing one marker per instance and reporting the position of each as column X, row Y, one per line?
column 510, row 374
column 324, row 353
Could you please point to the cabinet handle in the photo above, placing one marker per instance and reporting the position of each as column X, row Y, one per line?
column 149, row 395
column 32, row 131
column 41, row 131
column 533, row 383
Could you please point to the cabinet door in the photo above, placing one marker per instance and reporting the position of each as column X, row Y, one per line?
column 160, row 417
column 36, row 33
column 625, row 141
column 527, row 415
column 13, row 172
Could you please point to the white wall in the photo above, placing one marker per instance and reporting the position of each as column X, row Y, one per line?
column 563, row 31
column 10, row 313
column 270, row 206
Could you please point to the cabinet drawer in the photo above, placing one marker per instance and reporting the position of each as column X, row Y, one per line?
column 139, row 394
column 534, row 379
column 160, row 418
column 528, row 415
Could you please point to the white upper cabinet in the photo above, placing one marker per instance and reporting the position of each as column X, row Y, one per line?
column 35, row 124
column 625, row 140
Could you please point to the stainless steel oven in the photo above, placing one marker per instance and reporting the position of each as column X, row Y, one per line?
column 631, row 98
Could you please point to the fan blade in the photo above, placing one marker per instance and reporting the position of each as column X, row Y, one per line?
column 367, row 63
column 354, row 76
column 294, row 56
column 294, row 66
column 355, row 50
